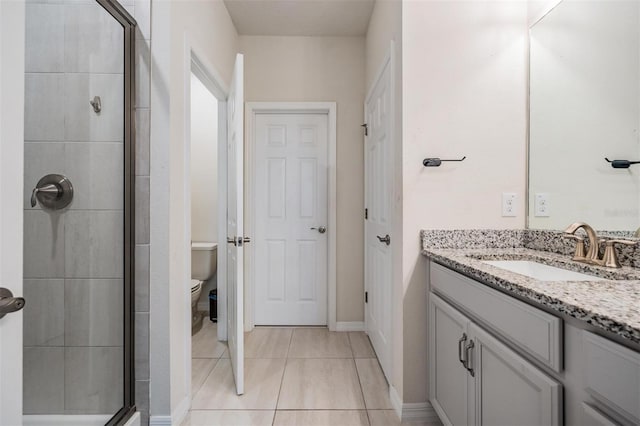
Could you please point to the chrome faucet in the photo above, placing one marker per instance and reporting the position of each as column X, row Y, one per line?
column 593, row 254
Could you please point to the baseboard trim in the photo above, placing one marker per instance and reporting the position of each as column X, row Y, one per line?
column 177, row 416
column 160, row 421
column 411, row 410
column 350, row 326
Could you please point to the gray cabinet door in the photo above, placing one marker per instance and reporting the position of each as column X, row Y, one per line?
column 509, row 390
column 449, row 380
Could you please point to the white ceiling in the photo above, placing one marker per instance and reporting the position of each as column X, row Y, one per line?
column 301, row 17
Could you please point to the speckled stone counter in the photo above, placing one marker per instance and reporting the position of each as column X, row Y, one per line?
column 611, row 304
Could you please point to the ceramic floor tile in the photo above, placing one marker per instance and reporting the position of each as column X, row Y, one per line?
column 319, row 343
column 205, row 344
column 200, row 370
column 321, row 418
column 229, row 418
column 267, row 343
column 390, row 418
column 374, row 385
column 360, row 345
column 261, row 383
column 320, row 384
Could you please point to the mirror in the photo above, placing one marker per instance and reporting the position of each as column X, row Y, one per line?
column 585, row 107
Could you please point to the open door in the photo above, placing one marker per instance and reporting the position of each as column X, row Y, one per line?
column 235, row 228
column 12, row 23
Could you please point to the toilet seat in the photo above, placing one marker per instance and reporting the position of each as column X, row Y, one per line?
column 195, row 283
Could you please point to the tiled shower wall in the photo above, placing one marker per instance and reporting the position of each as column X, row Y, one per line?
column 73, row 340
column 141, row 10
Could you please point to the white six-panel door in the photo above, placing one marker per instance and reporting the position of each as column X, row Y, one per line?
column 378, row 202
column 12, row 32
column 235, row 221
column 291, row 160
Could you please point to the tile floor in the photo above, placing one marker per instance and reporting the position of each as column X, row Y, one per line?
column 293, row 376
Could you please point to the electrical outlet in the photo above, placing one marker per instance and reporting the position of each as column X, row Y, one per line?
column 509, row 207
column 542, row 205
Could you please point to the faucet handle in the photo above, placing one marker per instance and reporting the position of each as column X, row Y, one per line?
column 610, row 258
column 580, row 252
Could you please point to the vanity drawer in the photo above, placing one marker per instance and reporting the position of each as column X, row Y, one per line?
column 537, row 333
column 613, row 375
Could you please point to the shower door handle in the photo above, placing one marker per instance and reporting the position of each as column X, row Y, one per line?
column 8, row 303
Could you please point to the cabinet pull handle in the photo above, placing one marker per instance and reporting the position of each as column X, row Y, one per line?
column 467, row 358
column 461, row 350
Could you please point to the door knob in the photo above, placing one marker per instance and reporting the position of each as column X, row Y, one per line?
column 321, row 229
column 232, row 241
column 386, row 239
column 8, row 303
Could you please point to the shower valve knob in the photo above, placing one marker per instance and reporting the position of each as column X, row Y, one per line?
column 8, row 303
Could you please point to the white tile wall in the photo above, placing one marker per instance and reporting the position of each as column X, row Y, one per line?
column 91, row 38
column 93, row 244
column 93, row 384
column 43, row 244
column 93, row 312
column 97, row 173
column 44, row 312
column 44, row 107
column 45, row 38
column 43, row 381
column 81, row 123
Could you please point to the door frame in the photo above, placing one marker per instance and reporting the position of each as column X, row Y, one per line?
column 251, row 110
column 389, row 61
column 210, row 77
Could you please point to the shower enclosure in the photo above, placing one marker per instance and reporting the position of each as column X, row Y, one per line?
column 78, row 212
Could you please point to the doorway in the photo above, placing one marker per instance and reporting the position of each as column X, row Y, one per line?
column 291, row 210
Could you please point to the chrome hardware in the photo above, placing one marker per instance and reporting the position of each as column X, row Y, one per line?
column 54, row 192
column 460, row 350
column 610, row 258
column 467, row 358
column 579, row 254
column 593, row 254
column 96, row 103
column 321, row 229
column 8, row 303
column 386, row 239
column 238, row 241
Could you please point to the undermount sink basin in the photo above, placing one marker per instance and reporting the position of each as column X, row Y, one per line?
column 540, row 271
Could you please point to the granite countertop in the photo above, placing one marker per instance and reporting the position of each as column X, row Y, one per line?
column 611, row 304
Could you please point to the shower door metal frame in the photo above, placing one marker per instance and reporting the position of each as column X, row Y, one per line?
column 129, row 26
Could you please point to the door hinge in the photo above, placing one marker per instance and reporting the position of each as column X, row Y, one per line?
column 366, row 297
column 366, row 213
column 366, row 129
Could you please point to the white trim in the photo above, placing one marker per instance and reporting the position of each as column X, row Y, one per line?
column 253, row 108
column 209, row 76
column 65, row 420
column 350, row 326
column 412, row 410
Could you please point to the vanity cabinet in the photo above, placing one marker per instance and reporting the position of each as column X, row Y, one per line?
column 477, row 380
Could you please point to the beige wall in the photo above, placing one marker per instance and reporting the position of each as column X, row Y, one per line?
column 464, row 93
column 323, row 69
column 209, row 29
column 385, row 26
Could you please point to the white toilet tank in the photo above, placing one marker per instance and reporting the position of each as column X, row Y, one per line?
column 204, row 260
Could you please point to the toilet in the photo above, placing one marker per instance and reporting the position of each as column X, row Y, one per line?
column 204, row 262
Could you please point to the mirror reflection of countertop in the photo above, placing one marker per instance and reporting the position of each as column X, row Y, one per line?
column 611, row 301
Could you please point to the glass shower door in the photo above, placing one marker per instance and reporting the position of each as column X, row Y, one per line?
column 77, row 212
